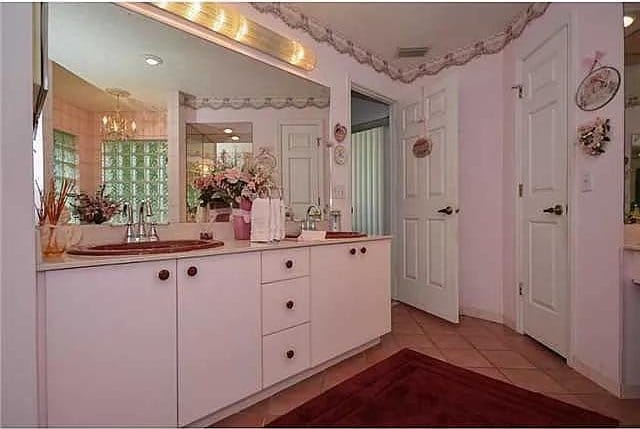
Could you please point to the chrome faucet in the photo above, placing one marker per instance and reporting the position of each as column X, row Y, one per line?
column 314, row 214
column 145, row 214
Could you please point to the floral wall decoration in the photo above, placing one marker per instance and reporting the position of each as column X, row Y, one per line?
column 599, row 86
column 594, row 136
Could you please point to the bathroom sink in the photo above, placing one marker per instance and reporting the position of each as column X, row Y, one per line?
column 334, row 235
column 344, row 234
column 145, row 248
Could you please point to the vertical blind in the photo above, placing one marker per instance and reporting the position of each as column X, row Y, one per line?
column 367, row 179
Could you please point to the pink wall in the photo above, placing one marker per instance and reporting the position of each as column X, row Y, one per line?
column 597, row 231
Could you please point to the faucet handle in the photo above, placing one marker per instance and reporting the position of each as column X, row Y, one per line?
column 127, row 210
column 148, row 208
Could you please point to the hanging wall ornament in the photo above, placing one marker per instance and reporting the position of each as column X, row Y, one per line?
column 422, row 147
column 599, row 87
column 340, row 132
column 339, row 154
column 594, row 136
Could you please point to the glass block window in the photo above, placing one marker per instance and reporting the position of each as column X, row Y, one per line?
column 136, row 171
column 65, row 157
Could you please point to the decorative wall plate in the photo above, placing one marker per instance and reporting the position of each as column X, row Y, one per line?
column 339, row 154
column 598, row 88
column 340, row 132
column 422, row 147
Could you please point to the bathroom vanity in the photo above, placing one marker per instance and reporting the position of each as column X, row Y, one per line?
column 160, row 340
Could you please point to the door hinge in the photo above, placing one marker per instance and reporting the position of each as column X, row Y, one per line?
column 520, row 90
column 318, row 139
column 520, row 288
column 520, row 189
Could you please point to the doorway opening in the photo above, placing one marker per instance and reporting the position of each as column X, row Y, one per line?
column 370, row 164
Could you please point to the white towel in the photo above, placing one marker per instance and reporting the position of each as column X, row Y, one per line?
column 260, row 225
column 274, row 219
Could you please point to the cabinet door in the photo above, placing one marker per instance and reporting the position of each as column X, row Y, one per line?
column 219, row 334
column 350, row 297
column 111, row 346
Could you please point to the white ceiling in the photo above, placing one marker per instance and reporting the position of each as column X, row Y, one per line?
column 384, row 27
column 105, row 45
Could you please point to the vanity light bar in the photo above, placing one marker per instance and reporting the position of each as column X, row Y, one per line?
column 229, row 23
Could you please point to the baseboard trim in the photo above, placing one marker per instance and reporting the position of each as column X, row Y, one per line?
column 630, row 391
column 596, row 376
column 481, row 314
column 272, row 390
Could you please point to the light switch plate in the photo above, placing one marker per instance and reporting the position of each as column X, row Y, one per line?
column 338, row 192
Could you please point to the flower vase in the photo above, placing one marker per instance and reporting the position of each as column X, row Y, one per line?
column 51, row 244
column 241, row 218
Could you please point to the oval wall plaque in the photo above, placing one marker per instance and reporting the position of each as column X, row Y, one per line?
column 421, row 147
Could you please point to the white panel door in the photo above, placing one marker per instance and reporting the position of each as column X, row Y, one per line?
column 111, row 345
column 219, row 333
column 301, row 165
column 543, row 171
column 427, row 202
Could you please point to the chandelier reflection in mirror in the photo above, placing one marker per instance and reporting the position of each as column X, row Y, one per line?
column 116, row 125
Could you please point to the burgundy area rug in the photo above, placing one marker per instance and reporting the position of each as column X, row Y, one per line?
column 411, row 389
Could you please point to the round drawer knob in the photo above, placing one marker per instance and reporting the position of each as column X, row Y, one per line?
column 192, row 271
column 363, row 250
column 352, row 251
column 164, row 274
column 289, row 264
column 290, row 354
column 290, row 304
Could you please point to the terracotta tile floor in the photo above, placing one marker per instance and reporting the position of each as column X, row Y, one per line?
column 484, row 347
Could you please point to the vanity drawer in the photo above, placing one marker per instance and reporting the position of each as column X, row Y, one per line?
column 285, row 304
column 284, row 354
column 284, row 264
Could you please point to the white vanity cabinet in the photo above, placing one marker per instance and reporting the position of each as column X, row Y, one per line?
column 194, row 339
column 111, row 345
column 219, row 333
column 350, row 297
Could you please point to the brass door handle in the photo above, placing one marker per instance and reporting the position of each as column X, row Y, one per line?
column 447, row 210
column 556, row 210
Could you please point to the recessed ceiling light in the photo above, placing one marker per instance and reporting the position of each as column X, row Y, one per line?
column 235, row 138
column 153, row 60
column 628, row 20
column 228, row 130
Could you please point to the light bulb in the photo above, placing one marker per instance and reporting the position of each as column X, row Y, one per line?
column 228, row 130
column 235, row 138
column 627, row 20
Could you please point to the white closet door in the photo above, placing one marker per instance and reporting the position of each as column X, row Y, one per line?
column 301, row 165
column 427, row 201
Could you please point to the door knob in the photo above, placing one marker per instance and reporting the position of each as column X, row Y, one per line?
column 192, row 271
column 447, row 210
column 289, row 264
column 164, row 274
column 290, row 304
column 556, row 210
column 290, row 354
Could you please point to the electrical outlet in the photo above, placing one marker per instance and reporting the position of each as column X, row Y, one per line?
column 338, row 192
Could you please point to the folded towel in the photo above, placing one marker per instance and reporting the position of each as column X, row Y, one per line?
column 260, row 225
column 274, row 219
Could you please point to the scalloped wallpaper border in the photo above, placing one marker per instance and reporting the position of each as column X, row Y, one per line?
column 253, row 103
column 491, row 45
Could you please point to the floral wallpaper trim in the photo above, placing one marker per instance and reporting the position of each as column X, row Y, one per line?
column 254, row 103
column 490, row 45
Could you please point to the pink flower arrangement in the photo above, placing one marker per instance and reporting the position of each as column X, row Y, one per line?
column 231, row 184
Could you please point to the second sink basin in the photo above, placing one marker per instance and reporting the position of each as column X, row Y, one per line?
column 145, row 248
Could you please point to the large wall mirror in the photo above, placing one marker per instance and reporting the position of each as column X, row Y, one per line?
column 632, row 113
column 142, row 109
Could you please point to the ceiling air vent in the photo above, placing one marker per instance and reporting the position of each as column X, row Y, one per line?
column 412, row 52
